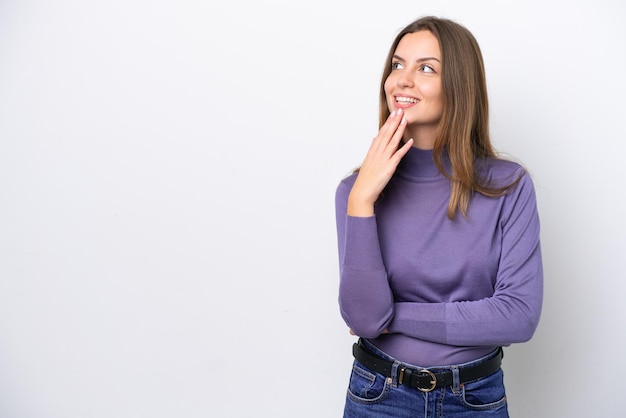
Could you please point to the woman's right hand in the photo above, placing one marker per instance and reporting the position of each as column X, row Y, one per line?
column 380, row 163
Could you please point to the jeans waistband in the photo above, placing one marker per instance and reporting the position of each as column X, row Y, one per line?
column 383, row 355
column 425, row 379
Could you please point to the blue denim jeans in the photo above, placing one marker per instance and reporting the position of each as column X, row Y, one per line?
column 372, row 395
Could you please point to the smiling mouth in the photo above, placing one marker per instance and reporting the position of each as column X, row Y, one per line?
column 406, row 100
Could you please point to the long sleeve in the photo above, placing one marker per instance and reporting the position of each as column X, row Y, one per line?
column 446, row 290
column 512, row 314
column 365, row 299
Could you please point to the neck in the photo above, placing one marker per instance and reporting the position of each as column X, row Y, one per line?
column 418, row 163
column 423, row 136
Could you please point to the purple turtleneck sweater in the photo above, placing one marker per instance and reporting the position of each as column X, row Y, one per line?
column 447, row 291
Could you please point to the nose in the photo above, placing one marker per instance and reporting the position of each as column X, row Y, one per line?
column 405, row 79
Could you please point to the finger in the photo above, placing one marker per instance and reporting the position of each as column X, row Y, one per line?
column 401, row 152
column 394, row 141
column 382, row 152
column 386, row 132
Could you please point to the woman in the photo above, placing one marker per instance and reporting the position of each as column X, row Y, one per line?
column 438, row 240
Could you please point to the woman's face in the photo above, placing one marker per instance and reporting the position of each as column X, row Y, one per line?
column 414, row 83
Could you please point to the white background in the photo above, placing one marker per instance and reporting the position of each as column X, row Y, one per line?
column 167, row 176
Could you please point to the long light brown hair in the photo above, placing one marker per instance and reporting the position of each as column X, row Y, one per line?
column 463, row 132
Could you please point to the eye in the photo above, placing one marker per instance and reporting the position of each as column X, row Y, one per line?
column 395, row 65
column 427, row 68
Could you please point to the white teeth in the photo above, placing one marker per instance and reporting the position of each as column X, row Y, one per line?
column 406, row 100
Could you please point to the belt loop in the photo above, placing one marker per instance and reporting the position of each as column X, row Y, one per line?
column 456, row 381
column 394, row 373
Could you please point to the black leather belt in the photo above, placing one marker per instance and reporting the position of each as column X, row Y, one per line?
column 424, row 379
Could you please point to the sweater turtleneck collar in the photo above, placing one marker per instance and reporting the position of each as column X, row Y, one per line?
column 418, row 163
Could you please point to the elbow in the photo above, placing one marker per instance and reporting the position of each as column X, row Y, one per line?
column 368, row 332
column 525, row 328
column 520, row 319
column 368, row 314
column 526, row 333
column 367, row 326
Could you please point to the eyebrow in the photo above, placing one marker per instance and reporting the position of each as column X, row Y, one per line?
column 419, row 59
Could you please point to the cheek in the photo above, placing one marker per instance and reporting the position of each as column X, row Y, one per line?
column 434, row 91
column 388, row 89
column 389, row 84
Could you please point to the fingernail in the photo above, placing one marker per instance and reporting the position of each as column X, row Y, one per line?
column 399, row 111
column 392, row 113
